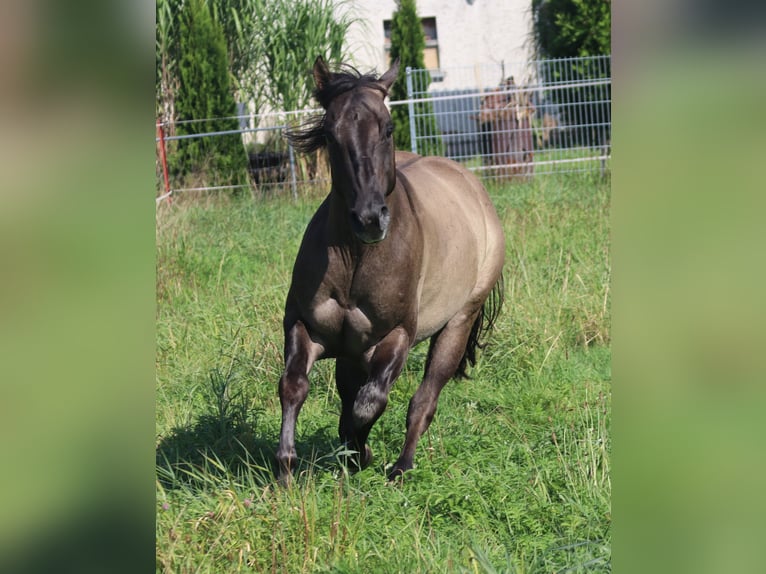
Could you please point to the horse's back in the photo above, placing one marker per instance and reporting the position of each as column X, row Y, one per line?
column 464, row 245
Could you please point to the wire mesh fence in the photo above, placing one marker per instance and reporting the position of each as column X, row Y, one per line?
column 268, row 164
column 501, row 121
column 542, row 117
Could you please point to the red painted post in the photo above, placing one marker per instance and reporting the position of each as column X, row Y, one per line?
column 163, row 160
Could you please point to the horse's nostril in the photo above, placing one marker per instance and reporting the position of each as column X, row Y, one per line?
column 384, row 211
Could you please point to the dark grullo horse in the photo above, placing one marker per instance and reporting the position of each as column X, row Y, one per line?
column 404, row 248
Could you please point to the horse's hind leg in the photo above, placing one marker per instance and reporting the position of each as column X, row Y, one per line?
column 444, row 356
column 300, row 354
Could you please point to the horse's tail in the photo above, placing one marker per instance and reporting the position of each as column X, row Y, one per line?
column 483, row 324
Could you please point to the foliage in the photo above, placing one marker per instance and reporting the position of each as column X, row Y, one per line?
column 513, row 474
column 294, row 33
column 204, row 92
column 239, row 20
column 270, row 47
column 575, row 29
column 572, row 28
column 407, row 44
column 167, row 36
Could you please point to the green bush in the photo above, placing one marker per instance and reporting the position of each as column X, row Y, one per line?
column 205, row 92
column 575, row 29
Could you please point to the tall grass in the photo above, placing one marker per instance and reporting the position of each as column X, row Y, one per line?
column 512, row 476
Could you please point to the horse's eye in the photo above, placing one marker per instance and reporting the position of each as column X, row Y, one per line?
column 389, row 130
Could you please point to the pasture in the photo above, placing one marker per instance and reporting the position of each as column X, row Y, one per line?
column 512, row 476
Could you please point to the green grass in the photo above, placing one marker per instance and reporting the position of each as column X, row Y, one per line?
column 513, row 474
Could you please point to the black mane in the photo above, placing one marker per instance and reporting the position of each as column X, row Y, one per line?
column 310, row 135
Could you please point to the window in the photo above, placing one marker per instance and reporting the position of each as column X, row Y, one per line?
column 431, row 51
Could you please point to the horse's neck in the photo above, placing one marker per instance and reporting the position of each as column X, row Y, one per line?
column 339, row 223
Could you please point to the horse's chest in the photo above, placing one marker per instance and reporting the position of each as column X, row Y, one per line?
column 333, row 317
column 353, row 326
column 356, row 301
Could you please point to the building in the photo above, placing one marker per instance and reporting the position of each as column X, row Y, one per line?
column 466, row 40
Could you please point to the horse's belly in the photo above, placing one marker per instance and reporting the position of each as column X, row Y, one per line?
column 449, row 277
column 438, row 307
column 428, row 325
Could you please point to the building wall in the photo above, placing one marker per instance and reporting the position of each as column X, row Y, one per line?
column 470, row 33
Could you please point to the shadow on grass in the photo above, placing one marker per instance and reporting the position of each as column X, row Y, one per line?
column 217, row 448
column 226, row 444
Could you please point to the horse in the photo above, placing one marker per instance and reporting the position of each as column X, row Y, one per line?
column 403, row 248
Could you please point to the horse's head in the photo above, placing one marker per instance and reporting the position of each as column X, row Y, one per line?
column 358, row 133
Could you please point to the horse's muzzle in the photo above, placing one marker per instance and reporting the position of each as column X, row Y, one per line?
column 371, row 225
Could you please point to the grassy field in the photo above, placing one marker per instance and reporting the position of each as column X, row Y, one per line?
column 513, row 474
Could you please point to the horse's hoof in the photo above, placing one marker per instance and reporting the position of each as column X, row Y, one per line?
column 286, row 464
column 285, row 476
column 362, row 459
column 397, row 473
column 358, row 460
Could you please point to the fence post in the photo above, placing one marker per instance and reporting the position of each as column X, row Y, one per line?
column 163, row 160
column 293, row 181
column 411, row 108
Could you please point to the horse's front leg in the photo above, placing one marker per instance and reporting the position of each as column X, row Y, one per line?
column 300, row 354
column 385, row 364
column 350, row 375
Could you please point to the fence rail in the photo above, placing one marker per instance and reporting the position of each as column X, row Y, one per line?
column 501, row 121
column 547, row 116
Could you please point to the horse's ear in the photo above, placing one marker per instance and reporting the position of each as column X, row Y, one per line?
column 321, row 72
column 387, row 79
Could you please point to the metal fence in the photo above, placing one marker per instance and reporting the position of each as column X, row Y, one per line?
column 502, row 121
column 272, row 164
column 548, row 116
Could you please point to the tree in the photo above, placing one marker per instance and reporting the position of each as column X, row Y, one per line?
column 407, row 44
column 204, row 93
column 575, row 29
column 572, row 28
column 239, row 21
